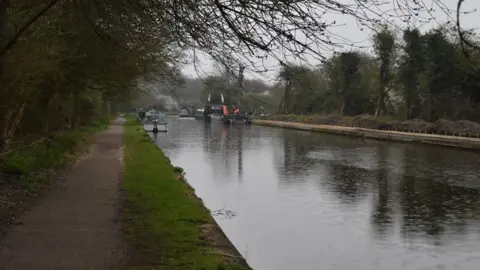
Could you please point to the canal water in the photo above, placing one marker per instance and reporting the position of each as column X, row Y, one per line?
column 292, row 199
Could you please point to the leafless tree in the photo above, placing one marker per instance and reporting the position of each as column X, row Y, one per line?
column 248, row 31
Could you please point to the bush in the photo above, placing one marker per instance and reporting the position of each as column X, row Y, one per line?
column 48, row 153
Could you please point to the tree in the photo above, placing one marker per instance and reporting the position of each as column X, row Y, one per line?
column 61, row 73
column 4, row 4
column 295, row 81
column 349, row 78
column 232, row 31
column 440, row 76
column 384, row 45
column 411, row 69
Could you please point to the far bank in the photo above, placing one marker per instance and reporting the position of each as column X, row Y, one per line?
column 432, row 139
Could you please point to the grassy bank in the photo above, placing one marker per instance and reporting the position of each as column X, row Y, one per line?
column 398, row 136
column 28, row 170
column 461, row 128
column 166, row 226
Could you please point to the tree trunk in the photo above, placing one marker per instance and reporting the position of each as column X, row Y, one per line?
column 76, row 110
column 3, row 28
column 377, row 105
column 408, row 108
column 12, row 122
column 3, row 21
column 48, row 114
column 281, row 105
column 381, row 108
column 286, row 98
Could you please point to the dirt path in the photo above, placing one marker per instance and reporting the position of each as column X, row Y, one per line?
column 77, row 226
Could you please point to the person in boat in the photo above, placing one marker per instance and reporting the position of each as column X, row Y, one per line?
column 155, row 130
column 236, row 111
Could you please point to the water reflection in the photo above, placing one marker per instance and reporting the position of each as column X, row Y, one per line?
column 382, row 214
column 433, row 208
column 303, row 199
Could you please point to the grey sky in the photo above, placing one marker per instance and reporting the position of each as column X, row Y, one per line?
column 349, row 29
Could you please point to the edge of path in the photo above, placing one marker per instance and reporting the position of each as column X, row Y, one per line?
column 166, row 225
column 25, row 180
column 77, row 225
column 432, row 139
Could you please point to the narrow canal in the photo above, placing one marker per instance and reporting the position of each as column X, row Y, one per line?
column 298, row 200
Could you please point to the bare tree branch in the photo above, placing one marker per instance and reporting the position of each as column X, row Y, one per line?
column 27, row 25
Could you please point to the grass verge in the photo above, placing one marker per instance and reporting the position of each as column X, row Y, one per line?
column 27, row 174
column 166, row 226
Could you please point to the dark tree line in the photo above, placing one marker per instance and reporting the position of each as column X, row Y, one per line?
column 63, row 72
column 412, row 75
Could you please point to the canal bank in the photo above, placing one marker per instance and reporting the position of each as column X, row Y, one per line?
column 166, row 225
column 432, row 139
column 291, row 199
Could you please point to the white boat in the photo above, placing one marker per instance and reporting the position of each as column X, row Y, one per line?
column 152, row 118
column 149, row 127
column 216, row 117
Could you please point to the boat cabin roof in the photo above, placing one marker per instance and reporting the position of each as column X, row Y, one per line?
column 155, row 116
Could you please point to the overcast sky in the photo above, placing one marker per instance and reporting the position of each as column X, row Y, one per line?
column 351, row 31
